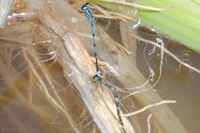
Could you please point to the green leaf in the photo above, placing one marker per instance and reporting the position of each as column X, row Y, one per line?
column 181, row 23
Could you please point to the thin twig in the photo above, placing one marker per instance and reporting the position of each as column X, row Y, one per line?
column 149, row 123
column 147, row 107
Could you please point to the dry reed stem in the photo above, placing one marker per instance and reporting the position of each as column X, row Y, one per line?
column 79, row 66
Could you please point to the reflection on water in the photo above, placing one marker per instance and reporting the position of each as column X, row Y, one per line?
column 177, row 82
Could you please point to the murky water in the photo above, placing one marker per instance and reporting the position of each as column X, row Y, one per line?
column 177, row 82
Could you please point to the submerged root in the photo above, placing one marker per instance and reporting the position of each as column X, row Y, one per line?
column 169, row 53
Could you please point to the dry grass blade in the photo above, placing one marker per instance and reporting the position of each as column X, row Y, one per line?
column 111, row 15
column 133, row 5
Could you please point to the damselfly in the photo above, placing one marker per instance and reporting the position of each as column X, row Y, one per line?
column 91, row 19
column 98, row 75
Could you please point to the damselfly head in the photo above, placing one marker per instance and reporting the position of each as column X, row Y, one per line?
column 85, row 6
column 88, row 13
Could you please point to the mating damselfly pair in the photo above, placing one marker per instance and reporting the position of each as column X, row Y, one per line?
column 98, row 75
